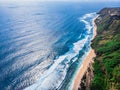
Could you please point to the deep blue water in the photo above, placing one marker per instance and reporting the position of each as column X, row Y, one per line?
column 43, row 44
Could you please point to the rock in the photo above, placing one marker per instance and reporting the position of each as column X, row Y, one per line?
column 87, row 78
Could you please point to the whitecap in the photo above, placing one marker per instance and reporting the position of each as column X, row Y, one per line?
column 54, row 76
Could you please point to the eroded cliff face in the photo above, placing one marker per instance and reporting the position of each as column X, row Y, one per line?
column 87, row 78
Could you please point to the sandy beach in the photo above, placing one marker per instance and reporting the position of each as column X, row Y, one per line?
column 86, row 62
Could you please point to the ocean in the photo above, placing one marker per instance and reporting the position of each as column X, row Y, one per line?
column 43, row 44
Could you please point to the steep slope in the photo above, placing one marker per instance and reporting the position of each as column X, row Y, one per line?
column 104, row 73
column 107, row 48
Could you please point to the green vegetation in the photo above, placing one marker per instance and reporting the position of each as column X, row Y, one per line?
column 107, row 48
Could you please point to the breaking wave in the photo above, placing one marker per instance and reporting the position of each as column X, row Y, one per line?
column 54, row 76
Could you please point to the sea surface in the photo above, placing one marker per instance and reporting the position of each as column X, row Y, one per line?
column 42, row 44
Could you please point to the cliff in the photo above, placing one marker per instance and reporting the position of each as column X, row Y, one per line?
column 106, row 44
column 87, row 78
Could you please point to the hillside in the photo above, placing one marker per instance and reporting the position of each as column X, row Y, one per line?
column 107, row 49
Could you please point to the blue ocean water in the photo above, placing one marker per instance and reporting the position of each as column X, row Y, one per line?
column 42, row 44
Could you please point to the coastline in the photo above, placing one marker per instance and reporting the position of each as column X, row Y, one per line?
column 87, row 61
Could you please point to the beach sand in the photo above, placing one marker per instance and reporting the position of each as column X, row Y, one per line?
column 86, row 63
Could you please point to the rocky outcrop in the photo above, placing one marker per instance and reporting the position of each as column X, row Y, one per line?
column 110, row 11
column 87, row 78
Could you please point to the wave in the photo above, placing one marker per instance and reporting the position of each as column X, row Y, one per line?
column 88, row 24
column 54, row 76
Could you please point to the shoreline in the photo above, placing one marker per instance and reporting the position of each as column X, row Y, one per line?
column 86, row 62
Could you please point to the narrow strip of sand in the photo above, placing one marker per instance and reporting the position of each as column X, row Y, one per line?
column 86, row 62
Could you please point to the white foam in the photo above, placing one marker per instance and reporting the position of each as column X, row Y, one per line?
column 87, row 23
column 53, row 77
column 89, row 27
